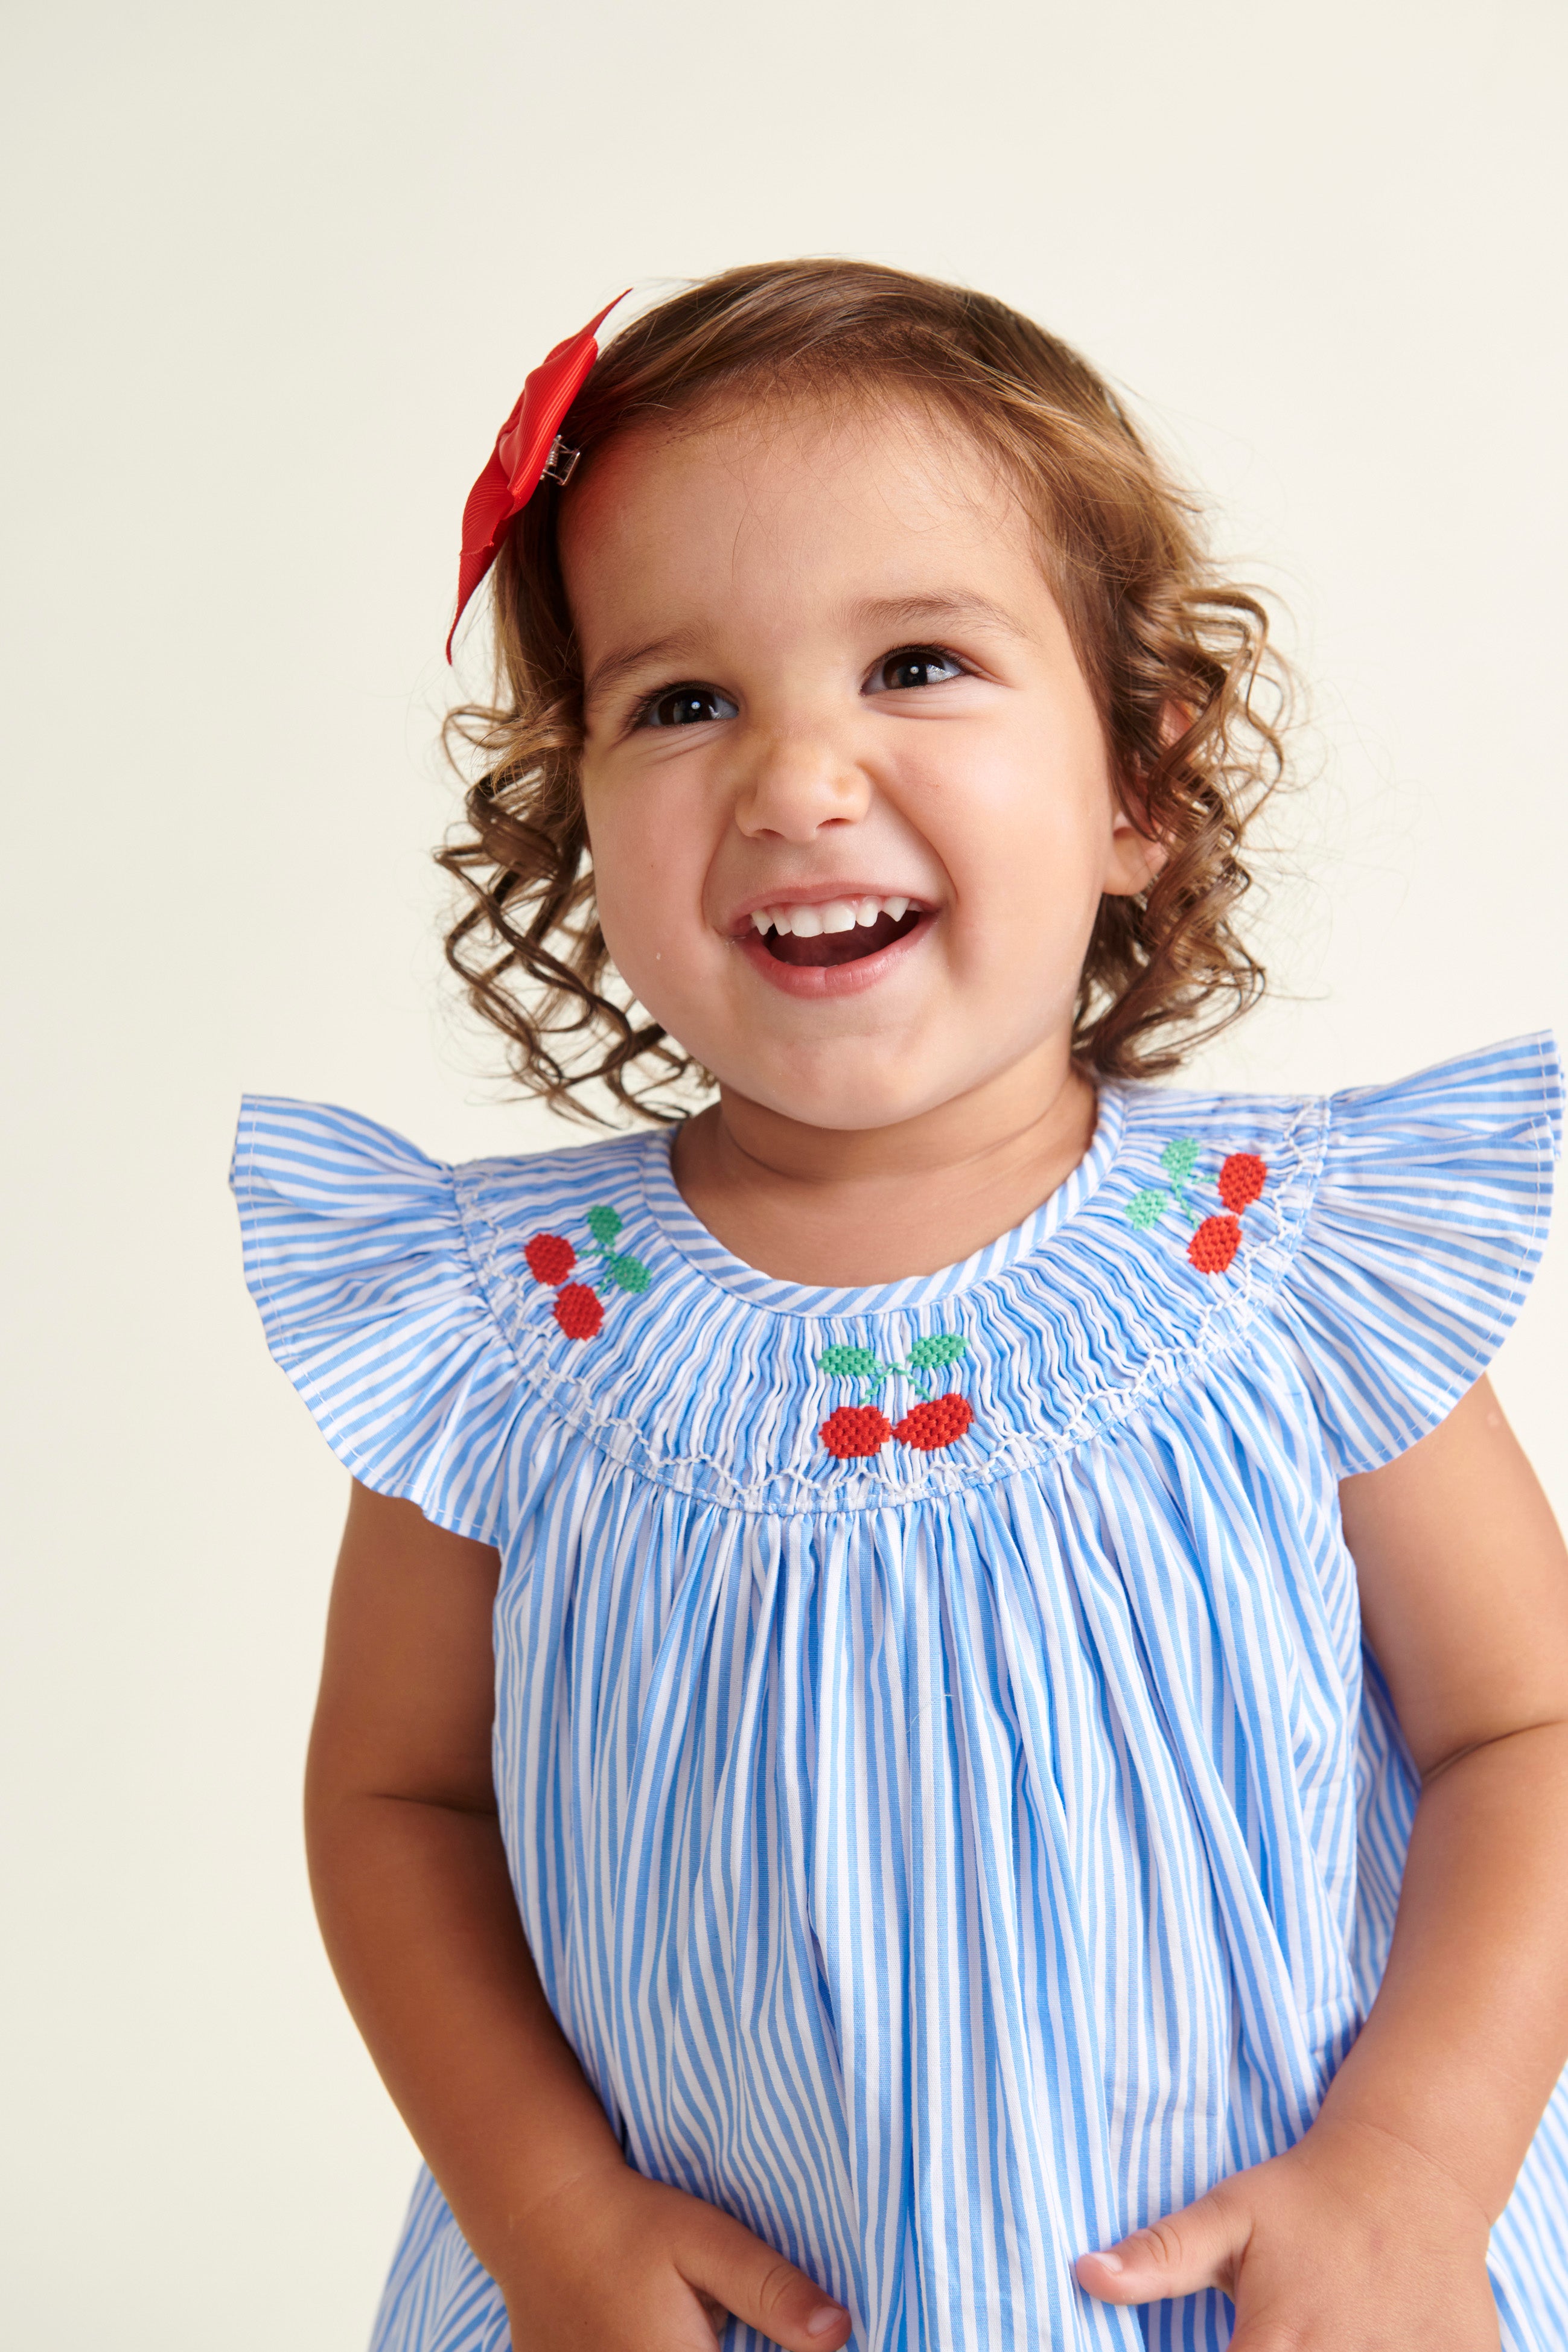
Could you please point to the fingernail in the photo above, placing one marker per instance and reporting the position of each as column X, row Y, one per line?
column 825, row 2316
column 1111, row 2261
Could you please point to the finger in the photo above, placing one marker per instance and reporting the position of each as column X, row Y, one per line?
column 720, row 2258
column 1200, row 2246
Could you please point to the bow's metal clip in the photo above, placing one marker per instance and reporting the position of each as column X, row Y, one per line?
column 560, row 463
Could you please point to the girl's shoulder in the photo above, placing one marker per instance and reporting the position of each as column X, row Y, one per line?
column 1387, row 1232
column 457, row 1330
column 1483, row 1127
column 388, row 1284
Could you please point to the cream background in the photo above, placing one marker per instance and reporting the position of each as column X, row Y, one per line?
column 278, row 274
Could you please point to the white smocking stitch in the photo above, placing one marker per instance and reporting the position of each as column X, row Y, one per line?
column 1223, row 1319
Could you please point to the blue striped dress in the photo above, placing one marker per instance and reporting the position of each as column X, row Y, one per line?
column 946, row 1795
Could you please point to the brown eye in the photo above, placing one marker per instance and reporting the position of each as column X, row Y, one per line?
column 687, row 706
column 914, row 665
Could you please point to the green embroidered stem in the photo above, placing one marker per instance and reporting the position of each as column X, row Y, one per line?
column 937, row 1353
column 1179, row 1160
column 627, row 1273
column 1216, row 1237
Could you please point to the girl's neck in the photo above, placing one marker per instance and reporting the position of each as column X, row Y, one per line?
column 853, row 1208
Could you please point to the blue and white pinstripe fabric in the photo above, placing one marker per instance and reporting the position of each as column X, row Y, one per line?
column 945, row 1861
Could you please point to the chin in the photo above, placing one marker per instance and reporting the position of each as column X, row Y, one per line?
column 848, row 1100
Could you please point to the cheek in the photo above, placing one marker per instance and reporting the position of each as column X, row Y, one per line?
column 1027, row 839
column 648, row 870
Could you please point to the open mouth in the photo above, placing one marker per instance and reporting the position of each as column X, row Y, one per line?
column 841, row 931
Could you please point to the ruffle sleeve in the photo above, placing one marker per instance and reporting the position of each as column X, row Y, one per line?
column 355, row 1255
column 1425, row 1226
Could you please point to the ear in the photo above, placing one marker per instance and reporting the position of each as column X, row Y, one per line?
column 1136, row 853
column 1133, row 858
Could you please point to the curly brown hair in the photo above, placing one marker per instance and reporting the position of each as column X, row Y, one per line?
column 1175, row 654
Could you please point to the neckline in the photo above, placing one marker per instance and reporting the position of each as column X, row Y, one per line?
column 689, row 1237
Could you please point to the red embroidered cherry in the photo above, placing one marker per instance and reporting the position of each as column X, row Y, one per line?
column 939, row 1421
column 551, row 1257
column 855, row 1430
column 577, row 1309
column 1241, row 1180
column 1215, row 1244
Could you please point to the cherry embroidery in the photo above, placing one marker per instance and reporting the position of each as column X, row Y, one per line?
column 1215, row 1244
column 855, row 1429
column 551, row 1258
column 578, row 1306
column 853, row 1432
column 939, row 1421
column 1241, row 1180
column 578, row 1310
column 1216, row 1240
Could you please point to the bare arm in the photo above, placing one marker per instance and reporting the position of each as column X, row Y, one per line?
column 1373, row 2229
column 410, row 1878
column 1464, row 1582
column 416, row 1909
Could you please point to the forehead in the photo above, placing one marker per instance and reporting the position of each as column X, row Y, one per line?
column 802, row 487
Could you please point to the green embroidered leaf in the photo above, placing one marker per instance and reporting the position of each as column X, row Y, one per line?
column 1146, row 1209
column 1179, row 1158
column 850, row 1364
column 603, row 1224
column 629, row 1273
column 941, row 1348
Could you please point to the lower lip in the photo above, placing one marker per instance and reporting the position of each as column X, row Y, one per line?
column 819, row 979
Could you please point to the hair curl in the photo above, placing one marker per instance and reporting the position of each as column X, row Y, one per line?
column 1192, row 696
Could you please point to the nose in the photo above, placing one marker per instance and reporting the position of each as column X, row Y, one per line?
column 798, row 780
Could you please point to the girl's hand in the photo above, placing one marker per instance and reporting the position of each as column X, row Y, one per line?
column 613, row 2262
column 1350, row 2243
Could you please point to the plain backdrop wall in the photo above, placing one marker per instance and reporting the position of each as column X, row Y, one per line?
column 276, row 276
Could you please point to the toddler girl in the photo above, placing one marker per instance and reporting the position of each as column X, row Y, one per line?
column 945, row 1715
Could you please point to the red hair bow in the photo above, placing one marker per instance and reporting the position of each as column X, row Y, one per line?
column 524, row 446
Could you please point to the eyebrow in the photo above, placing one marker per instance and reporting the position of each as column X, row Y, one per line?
column 608, row 674
column 889, row 612
column 904, row 612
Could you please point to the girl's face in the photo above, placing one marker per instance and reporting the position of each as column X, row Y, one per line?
column 847, row 789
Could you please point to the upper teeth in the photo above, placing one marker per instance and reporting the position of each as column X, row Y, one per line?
column 836, row 915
